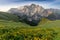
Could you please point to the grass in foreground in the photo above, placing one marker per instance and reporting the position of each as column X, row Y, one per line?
column 10, row 30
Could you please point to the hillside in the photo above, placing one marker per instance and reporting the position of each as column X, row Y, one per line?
column 20, row 31
column 8, row 16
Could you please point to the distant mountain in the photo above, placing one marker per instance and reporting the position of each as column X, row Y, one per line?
column 34, row 13
column 55, row 14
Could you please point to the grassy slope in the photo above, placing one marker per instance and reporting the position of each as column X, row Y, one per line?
column 8, row 16
column 17, row 27
column 53, row 25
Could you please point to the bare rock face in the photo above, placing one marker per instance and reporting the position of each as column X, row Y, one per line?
column 55, row 14
column 30, row 13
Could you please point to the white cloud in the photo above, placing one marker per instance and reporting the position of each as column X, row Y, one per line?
column 7, row 7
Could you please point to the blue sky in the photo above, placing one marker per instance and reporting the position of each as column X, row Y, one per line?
column 7, row 4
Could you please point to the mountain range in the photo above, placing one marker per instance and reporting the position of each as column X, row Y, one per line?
column 32, row 14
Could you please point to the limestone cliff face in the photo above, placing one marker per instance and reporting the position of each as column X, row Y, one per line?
column 30, row 10
column 31, row 13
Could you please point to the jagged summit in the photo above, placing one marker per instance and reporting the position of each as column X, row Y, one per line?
column 33, row 5
column 32, row 13
column 29, row 10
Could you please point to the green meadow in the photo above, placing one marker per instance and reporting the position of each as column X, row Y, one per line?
column 12, row 29
column 20, row 31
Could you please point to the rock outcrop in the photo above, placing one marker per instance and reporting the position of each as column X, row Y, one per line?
column 32, row 14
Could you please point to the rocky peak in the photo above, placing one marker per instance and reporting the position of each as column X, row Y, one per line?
column 30, row 13
column 32, row 5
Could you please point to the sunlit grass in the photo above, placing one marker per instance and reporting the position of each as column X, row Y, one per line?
column 49, row 30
